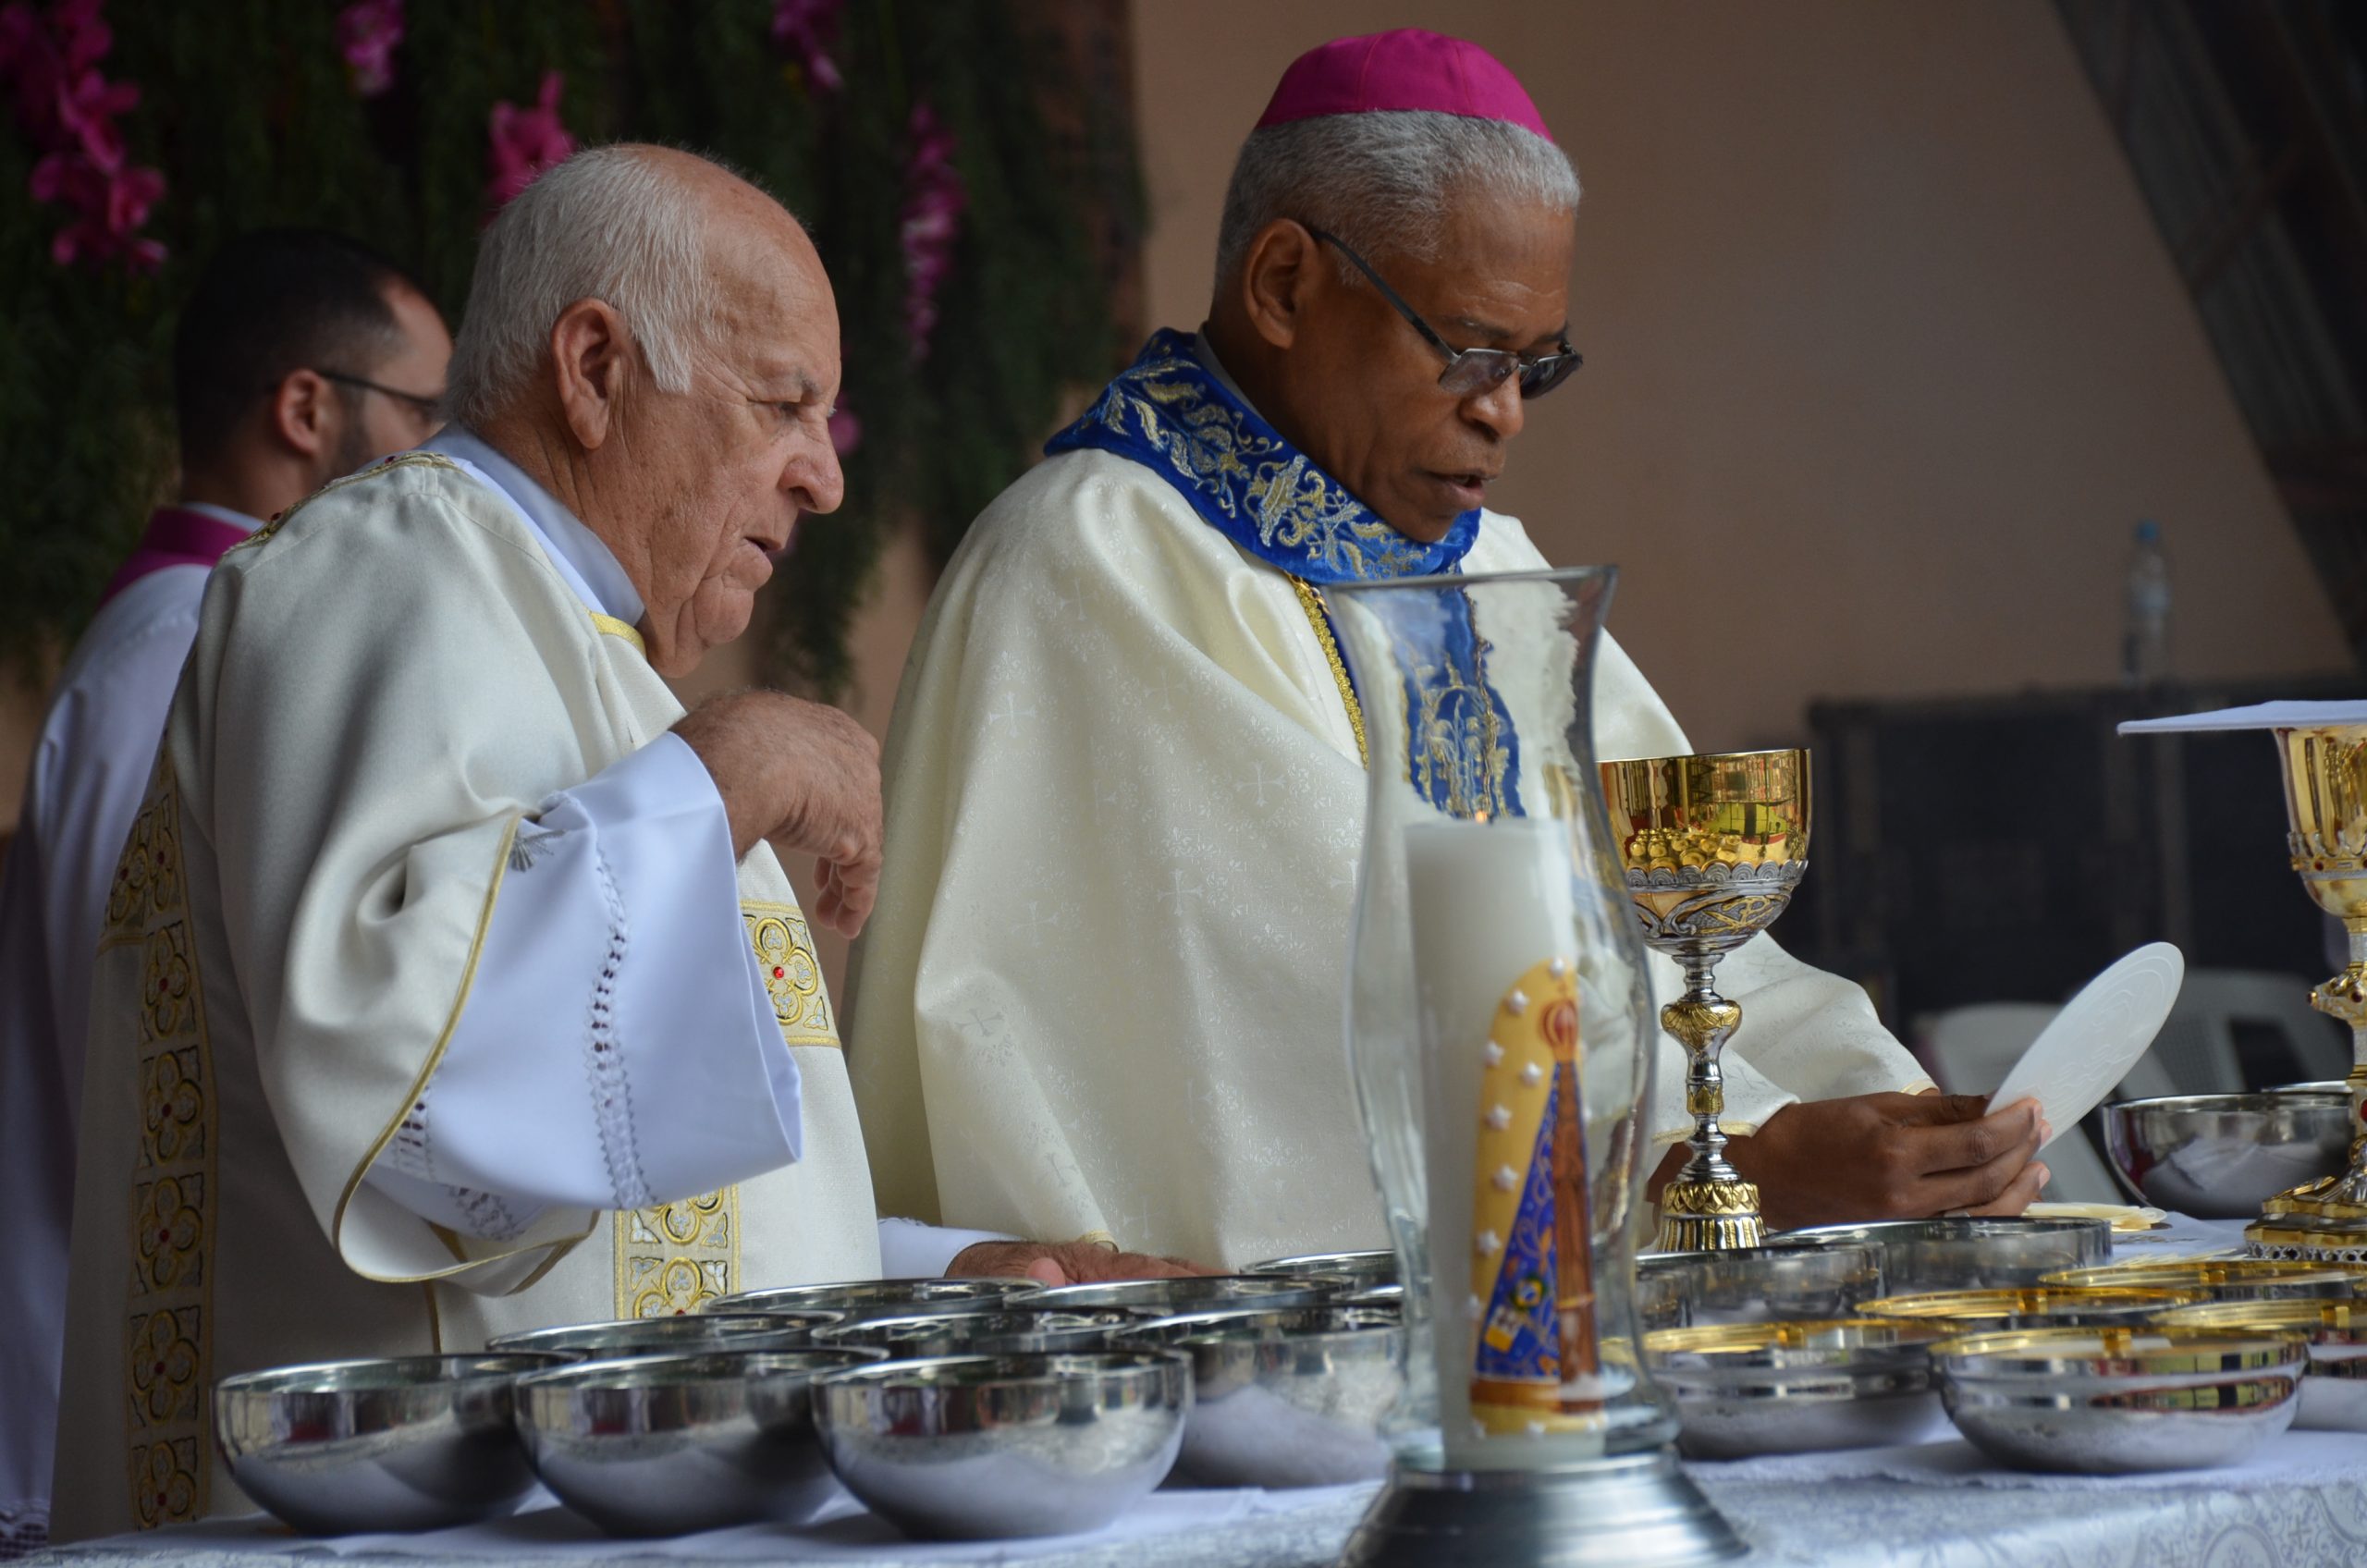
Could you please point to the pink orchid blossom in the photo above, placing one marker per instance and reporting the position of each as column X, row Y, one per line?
column 368, row 32
column 934, row 200
column 68, row 110
column 113, row 204
column 525, row 143
column 808, row 30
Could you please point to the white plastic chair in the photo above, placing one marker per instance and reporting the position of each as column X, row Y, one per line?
column 2197, row 1043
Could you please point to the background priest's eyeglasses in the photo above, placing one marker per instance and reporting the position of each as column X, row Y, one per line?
column 1470, row 372
column 420, row 402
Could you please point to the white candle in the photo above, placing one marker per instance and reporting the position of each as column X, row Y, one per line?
column 1488, row 902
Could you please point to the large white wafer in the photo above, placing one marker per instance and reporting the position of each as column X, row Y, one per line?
column 2097, row 1038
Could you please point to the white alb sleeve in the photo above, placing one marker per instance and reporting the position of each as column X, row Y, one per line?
column 911, row 1250
column 617, row 1048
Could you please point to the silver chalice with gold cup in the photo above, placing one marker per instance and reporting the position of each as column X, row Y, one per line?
column 2325, row 812
column 1713, row 846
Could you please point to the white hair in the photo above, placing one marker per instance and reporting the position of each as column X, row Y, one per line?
column 609, row 224
column 1383, row 182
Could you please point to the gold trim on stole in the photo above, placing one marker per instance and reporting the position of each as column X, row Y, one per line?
column 168, row 1340
column 792, row 974
column 673, row 1258
column 1318, row 615
column 623, row 630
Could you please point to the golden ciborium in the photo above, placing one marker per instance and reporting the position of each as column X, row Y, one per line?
column 2325, row 810
column 1713, row 846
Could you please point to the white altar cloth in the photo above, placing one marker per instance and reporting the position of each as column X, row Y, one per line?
column 2302, row 1500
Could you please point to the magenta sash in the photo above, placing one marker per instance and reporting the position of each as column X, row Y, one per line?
column 175, row 537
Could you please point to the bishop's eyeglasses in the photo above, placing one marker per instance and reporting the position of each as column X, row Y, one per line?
column 1470, row 372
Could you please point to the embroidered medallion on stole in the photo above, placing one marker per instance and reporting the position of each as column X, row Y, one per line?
column 167, row 1332
column 676, row 1256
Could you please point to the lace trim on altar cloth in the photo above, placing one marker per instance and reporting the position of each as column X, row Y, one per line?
column 24, row 1529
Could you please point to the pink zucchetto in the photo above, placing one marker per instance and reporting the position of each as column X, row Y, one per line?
column 1407, row 68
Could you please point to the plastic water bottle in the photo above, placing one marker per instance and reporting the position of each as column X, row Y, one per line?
column 2145, row 637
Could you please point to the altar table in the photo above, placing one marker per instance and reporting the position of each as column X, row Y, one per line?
column 2300, row 1501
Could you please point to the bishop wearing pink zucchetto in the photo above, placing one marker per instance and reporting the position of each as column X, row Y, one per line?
column 1125, row 785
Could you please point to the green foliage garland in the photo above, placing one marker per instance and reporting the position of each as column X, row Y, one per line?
column 249, row 110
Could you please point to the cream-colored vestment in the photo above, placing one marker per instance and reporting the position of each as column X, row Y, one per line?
column 388, row 692
column 1102, row 991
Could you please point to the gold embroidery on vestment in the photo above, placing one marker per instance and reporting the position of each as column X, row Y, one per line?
column 673, row 1258
column 168, row 1350
column 1318, row 615
column 400, row 460
column 784, row 948
column 1455, row 756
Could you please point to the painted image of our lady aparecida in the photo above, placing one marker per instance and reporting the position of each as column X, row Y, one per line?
column 1534, row 1360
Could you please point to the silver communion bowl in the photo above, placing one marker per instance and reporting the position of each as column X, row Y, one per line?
column 1969, row 1254
column 2220, row 1156
column 995, row 1447
column 415, row 1442
column 667, row 1336
column 1291, row 1398
column 667, row 1445
column 1005, row 1332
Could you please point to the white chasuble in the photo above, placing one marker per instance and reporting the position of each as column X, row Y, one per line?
column 1102, row 991
column 386, row 691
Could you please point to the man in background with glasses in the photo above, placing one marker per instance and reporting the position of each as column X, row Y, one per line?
column 1102, row 992
column 301, row 357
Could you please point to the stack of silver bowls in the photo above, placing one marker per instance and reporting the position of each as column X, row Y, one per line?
column 2222, row 1278
column 2029, row 1307
column 1746, row 1388
column 1680, row 1290
column 2334, row 1390
column 2112, row 1401
column 1365, row 1278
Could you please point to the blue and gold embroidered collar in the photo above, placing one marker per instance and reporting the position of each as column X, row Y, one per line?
column 1168, row 413
column 1171, row 413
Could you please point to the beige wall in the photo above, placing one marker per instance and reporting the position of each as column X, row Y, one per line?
column 1883, row 357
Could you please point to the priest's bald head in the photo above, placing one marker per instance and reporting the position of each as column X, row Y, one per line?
column 654, row 340
column 1392, row 269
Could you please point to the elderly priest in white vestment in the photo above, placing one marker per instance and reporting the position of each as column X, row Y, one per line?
column 453, row 985
column 1123, row 783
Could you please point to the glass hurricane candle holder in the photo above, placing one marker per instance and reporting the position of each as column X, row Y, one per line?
column 1502, row 1037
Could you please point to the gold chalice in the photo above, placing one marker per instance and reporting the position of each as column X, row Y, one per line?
column 1713, row 846
column 2325, row 808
